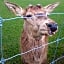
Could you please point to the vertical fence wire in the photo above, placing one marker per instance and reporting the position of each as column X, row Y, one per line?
column 57, row 43
column 55, row 52
column 1, row 45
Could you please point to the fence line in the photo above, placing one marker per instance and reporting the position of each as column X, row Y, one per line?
column 58, row 13
column 36, row 48
column 57, row 43
column 19, row 17
column 1, row 46
column 57, row 59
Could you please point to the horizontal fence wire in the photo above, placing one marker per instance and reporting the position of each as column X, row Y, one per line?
column 57, row 59
column 19, row 17
column 36, row 48
column 58, row 13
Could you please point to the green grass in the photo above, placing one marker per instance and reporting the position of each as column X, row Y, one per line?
column 12, row 30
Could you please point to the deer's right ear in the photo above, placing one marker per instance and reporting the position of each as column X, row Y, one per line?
column 17, row 10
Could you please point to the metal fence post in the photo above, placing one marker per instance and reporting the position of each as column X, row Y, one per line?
column 1, row 46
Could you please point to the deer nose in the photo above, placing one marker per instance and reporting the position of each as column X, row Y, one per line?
column 53, row 27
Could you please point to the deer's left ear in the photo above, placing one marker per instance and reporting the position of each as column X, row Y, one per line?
column 49, row 8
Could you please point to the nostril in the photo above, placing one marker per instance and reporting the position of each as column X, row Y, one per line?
column 49, row 25
column 53, row 28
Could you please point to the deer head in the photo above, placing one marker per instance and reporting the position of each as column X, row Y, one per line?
column 39, row 24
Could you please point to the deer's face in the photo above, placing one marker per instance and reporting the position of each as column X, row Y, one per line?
column 37, row 18
column 42, row 24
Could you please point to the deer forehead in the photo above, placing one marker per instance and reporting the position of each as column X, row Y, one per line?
column 35, row 9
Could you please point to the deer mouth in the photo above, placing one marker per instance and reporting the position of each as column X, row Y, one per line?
column 52, row 31
column 52, row 28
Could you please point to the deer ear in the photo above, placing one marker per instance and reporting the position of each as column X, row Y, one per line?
column 17, row 10
column 49, row 8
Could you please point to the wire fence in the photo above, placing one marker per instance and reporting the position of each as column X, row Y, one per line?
column 57, row 41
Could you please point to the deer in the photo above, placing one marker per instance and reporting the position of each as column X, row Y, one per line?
column 37, row 28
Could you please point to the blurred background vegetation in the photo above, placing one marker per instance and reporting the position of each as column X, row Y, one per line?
column 12, row 30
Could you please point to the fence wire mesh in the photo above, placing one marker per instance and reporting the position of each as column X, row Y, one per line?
column 3, row 60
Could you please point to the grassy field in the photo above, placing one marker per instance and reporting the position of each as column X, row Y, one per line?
column 12, row 31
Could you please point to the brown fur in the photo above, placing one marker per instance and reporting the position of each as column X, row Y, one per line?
column 37, row 56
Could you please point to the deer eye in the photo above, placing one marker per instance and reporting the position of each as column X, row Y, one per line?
column 29, row 15
column 40, row 14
